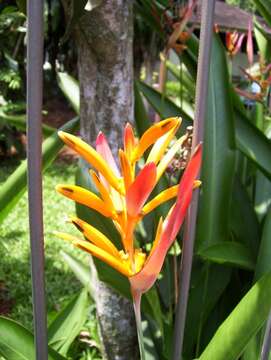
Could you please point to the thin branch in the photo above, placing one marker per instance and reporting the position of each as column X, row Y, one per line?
column 34, row 162
column 207, row 15
column 267, row 340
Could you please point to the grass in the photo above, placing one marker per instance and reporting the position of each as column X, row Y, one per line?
column 15, row 249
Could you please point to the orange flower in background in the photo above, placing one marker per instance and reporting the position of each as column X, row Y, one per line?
column 123, row 197
column 234, row 42
column 235, row 39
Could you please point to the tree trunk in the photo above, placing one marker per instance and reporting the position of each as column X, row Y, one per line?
column 104, row 39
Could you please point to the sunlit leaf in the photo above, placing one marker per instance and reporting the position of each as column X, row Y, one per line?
column 17, row 343
column 68, row 323
column 245, row 320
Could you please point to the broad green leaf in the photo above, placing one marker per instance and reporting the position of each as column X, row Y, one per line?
column 263, row 184
column 17, row 343
column 263, row 41
column 68, row 323
column 243, row 219
column 209, row 279
column 263, row 6
column 70, row 89
column 15, row 186
column 262, row 195
column 217, row 182
column 263, row 262
column 19, row 121
column 229, row 252
column 164, row 106
column 142, row 121
column 245, row 320
column 263, row 266
column 218, row 155
column 81, row 271
column 252, row 142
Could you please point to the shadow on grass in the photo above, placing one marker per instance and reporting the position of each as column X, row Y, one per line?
column 15, row 275
column 13, row 236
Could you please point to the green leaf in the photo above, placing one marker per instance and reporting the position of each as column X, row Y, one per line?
column 19, row 121
column 263, row 265
column 70, row 89
column 263, row 6
column 164, row 106
column 149, row 344
column 81, row 271
column 252, row 142
column 142, row 121
column 68, row 323
column 17, row 343
column 218, row 155
column 21, row 5
column 262, row 195
column 245, row 320
column 243, row 220
column 181, row 74
column 14, row 187
column 263, row 41
column 209, row 279
column 231, row 253
column 262, row 186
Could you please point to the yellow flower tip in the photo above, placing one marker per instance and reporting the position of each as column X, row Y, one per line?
column 70, row 238
column 66, row 138
column 77, row 223
column 61, row 134
column 63, row 189
column 197, row 183
column 169, row 123
column 67, row 219
column 178, row 120
column 151, row 135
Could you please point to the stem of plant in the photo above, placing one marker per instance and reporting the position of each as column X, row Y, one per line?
column 136, row 302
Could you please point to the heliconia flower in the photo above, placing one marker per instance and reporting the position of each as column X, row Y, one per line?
column 234, row 42
column 123, row 197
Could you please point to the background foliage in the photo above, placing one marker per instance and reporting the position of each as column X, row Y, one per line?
column 229, row 298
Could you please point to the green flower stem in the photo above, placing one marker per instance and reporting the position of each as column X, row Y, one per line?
column 136, row 302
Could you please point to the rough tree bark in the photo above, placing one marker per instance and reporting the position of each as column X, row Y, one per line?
column 104, row 39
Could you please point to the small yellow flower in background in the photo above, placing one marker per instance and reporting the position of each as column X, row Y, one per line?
column 123, row 197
